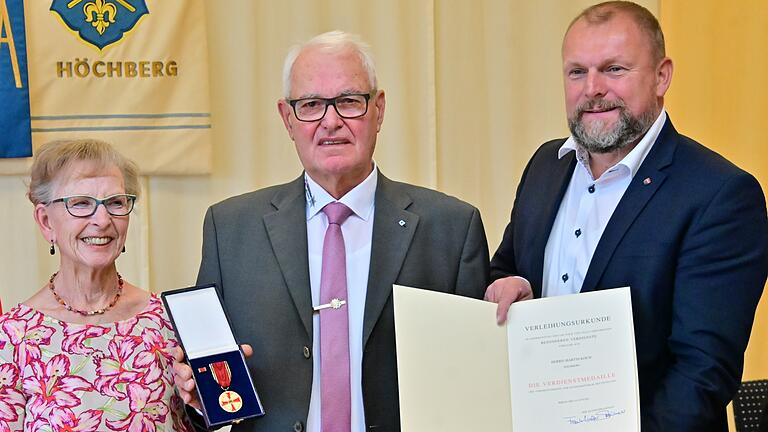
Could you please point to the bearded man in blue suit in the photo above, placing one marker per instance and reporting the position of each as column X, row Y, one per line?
column 628, row 201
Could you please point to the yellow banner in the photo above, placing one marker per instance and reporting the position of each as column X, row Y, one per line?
column 131, row 72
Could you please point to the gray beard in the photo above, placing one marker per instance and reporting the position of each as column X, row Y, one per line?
column 628, row 130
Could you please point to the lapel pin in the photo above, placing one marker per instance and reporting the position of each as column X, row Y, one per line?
column 647, row 181
column 401, row 223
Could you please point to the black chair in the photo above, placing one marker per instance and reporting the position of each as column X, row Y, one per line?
column 764, row 419
column 749, row 405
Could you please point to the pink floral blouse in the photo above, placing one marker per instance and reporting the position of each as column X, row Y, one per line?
column 56, row 376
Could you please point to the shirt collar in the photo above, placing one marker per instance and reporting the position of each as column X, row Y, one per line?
column 633, row 159
column 360, row 199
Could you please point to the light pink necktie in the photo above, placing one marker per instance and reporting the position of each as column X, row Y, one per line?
column 334, row 325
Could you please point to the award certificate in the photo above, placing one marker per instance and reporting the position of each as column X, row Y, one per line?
column 559, row 363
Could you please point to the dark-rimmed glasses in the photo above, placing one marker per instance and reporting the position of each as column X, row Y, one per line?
column 347, row 106
column 85, row 206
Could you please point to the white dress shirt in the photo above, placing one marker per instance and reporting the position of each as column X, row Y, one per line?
column 584, row 213
column 358, row 233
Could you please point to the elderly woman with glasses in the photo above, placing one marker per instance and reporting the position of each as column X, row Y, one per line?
column 89, row 351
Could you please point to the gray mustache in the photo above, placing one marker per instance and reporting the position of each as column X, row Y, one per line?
column 598, row 104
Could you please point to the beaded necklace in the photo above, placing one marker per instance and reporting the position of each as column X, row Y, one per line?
column 91, row 312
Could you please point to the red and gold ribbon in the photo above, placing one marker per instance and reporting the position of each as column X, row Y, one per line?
column 221, row 374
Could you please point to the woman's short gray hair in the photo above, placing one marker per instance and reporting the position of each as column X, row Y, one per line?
column 332, row 41
column 52, row 158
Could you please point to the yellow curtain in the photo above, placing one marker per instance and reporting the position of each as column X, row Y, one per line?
column 719, row 96
column 473, row 87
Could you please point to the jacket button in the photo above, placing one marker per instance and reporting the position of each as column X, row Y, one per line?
column 298, row 427
column 307, row 353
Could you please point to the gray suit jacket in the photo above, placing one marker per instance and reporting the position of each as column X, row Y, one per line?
column 255, row 250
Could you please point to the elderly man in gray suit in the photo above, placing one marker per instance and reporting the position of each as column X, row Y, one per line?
column 265, row 251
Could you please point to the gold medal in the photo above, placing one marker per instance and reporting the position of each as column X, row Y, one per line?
column 229, row 401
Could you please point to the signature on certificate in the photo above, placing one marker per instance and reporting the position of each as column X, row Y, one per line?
column 594, row 417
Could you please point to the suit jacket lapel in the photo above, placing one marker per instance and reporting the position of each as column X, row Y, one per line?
column 389, row 245
column 632, row 203
column 287, row 230
column 559, row 178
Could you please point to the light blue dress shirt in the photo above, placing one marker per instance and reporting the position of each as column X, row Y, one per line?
column 584, row 213
column 358, row 234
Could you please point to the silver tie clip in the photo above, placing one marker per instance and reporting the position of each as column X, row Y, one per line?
column 335, row 304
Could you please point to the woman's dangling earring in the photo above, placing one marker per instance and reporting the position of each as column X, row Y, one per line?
column 123, row 248
column 53, row 249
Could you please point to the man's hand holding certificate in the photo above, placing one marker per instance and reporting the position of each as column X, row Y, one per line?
column 560, row 363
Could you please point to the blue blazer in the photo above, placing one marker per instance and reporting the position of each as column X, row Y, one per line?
column 693, row 246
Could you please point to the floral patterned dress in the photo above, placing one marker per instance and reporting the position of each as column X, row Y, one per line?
column 56, row 376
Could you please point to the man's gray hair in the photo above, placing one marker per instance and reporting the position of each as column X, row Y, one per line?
column 332, row 42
